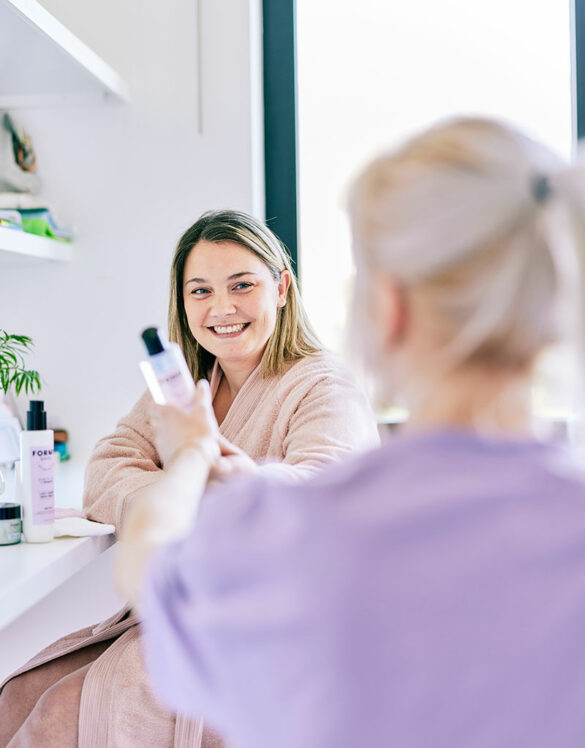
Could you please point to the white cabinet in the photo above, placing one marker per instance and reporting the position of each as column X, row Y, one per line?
column 43, row 64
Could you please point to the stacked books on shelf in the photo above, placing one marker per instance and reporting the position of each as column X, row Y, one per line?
column 20, row 211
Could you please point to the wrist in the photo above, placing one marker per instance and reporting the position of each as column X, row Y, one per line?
column 206, row 449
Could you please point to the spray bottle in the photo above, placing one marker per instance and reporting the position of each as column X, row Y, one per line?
column 166, row 372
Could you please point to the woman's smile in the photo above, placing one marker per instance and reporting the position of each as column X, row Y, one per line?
column 229, row 331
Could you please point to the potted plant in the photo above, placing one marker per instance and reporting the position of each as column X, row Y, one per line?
column 13, row 375
column 13, row 371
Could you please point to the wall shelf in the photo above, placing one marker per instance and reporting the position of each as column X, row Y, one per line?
column 48, row 65
column 15, row 244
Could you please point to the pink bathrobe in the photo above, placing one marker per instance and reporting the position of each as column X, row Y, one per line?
column 292, row 425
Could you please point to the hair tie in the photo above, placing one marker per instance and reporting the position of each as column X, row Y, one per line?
column 540, row 189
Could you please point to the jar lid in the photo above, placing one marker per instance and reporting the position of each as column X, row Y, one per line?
column 9, row 511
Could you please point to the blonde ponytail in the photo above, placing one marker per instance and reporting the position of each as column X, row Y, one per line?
column 467, row 214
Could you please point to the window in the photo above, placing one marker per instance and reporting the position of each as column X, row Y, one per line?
column 372, row 72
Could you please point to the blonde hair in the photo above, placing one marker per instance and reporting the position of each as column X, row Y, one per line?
column 292, row 337
column 468, row 214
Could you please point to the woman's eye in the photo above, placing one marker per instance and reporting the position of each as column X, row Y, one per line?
column 199, row 291
column 242, row 286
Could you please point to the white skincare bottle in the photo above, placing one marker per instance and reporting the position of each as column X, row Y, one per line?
column 36, row 476
column 166, row 372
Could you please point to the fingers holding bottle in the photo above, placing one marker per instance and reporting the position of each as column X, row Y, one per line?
column 175, row 429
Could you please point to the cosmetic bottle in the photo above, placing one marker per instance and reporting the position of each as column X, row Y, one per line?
column 166, row 372
column 10, row 524
column 36, row 476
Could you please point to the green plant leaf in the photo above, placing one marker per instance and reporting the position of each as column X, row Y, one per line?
column 17, row 382
column 13, row 371
column 32, row 382
column 6, row 356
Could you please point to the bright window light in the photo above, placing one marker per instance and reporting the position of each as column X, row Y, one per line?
column 373, row 72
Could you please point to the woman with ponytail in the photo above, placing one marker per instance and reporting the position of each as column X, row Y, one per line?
column 431, row 592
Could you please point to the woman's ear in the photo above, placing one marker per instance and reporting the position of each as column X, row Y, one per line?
column 283, row 286
column 390, row 310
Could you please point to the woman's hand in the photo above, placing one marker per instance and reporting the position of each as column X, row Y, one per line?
column 174, row 428
column 232, row 461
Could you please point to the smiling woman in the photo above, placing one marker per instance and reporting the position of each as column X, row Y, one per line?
column 231, row 314
column 235, row 303
column 219, row 246
column 282, row 406
column 235, row 308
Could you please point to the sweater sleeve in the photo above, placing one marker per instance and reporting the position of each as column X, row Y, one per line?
column 121, row 464
column 329, row 418
column 224, row 606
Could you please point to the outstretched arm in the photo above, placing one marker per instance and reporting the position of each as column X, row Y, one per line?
column 188, row 445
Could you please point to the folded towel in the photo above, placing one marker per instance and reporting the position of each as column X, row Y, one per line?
column 79, row 527
column 67, row 511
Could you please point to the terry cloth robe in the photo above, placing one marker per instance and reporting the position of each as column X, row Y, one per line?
column 293, row 425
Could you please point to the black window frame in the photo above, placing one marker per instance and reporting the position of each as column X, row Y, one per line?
column 579, row 63
column 280, row 121
column 280, row 112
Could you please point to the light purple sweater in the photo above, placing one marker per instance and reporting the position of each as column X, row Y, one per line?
column 429, row 593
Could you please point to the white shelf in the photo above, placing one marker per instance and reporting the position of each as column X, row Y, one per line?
column 44, row 64
column 15, row 244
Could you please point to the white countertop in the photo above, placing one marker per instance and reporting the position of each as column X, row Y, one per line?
column 48, row 590
column 31, row 571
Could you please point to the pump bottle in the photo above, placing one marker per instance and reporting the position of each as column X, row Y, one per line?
column 166, row 372
column 36, row 476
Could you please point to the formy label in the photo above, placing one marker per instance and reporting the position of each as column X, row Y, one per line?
column 42, row 485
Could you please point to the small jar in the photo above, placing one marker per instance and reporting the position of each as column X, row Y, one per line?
column 10, row 524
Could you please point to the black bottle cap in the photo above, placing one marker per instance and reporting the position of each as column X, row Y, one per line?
column 9, row 511
column 153, row 340
column 36, row 418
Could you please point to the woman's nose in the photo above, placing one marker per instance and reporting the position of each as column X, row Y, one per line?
column 222, row 305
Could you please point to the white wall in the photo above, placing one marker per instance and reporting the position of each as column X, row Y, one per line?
column 131, row 178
